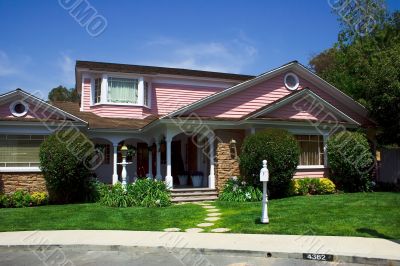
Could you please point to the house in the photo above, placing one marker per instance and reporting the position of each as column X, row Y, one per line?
column 177, row 122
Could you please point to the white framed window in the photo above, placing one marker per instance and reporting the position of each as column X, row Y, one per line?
column 19, row 108
column 97, row 90
column 122, row 90
column 291, row 81
column 311, row 150
column 20, row 151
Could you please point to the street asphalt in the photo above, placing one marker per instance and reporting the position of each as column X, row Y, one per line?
column 160, row 256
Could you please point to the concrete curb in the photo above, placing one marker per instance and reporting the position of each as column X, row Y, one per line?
column 204, row 251
column 373, row 251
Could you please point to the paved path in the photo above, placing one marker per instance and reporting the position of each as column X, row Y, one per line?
column 346, row 249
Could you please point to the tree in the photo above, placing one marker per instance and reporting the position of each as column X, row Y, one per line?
column 282, row 152
column 368, row 69
column 63, row 94
column 351, row 161
column 65, row 158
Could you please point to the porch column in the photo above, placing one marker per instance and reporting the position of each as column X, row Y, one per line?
column 158, row 174
column 325, row 138
column 211, row 177
column 168, row 178
column 252, row 131
column 150, row 162
column 115, row 157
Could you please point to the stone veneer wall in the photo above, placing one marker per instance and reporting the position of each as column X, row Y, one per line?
column 227, row 164
column 31, row 182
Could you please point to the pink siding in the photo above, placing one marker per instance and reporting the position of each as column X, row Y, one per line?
column 167, row 97
column 86, row 94
column 121, row 111
column 312, row 173
column 247, row 100
column 303, row 110
column 260, row 95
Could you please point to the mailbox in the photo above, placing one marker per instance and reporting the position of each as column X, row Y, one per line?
column 264, row 173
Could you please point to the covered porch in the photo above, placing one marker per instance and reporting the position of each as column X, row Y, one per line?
column 184, row 160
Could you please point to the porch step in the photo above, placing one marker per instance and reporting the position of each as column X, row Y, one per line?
column 193, row 195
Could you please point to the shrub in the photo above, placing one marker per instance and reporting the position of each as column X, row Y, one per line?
column 117, row 196
column 350, row 160
column 21, row 198
column 280, row 149
column 142, row 193
column 150, row 193
column 65, row 159
column 237, row 190
column 5, row 201
column 39, row 198
column 312, row 186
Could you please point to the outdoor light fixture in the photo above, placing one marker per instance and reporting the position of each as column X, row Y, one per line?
column 233, row 149
column 124, row 151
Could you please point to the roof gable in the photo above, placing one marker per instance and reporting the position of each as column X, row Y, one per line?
column 37, row 109
column 246, row 97
column 302, row 105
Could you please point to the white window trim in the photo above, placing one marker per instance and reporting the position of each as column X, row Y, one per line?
column 33, row 169
column 148, row 94
column 297, row 81
column 12, row 108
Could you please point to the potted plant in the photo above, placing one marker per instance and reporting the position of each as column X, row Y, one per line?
column 183, row 179
column 197, row 179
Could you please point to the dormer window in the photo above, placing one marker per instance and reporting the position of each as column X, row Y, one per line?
column 122, row 90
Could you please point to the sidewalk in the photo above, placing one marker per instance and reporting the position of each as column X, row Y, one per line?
column 346, row 249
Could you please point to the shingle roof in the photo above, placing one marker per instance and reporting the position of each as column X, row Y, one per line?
column 152, row 70
column 98, row 122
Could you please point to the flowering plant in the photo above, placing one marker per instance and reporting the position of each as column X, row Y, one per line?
column 238, row 190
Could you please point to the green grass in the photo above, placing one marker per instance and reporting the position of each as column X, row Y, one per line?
column 357, row 214
column 94, row 216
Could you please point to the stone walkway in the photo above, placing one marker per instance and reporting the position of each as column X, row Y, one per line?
column 213, row 214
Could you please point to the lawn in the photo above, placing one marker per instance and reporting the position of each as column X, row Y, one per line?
column 95, row 216
column 356, row 214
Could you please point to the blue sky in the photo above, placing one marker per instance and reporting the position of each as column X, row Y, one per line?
column 40, row 40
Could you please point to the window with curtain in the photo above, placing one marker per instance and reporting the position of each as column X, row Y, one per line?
column 311, row 149
column 20, row 150
column 121, row 90
column 146, row 93
column 97, row 90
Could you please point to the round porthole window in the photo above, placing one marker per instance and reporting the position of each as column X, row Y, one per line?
column 291, row 81
column 19, row 108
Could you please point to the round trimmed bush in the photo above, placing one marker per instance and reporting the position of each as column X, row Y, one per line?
column 280, row 149
column 65, row 158
column 350, row 161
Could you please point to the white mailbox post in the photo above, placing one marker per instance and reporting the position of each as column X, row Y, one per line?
column 264, row 178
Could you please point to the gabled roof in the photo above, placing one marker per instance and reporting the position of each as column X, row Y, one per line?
column 153, row 70
column 40, row 103
column 294, row 65
column 305, row 94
